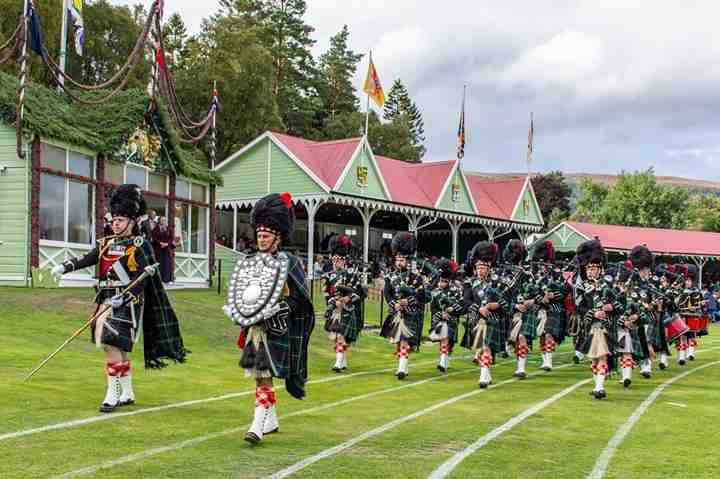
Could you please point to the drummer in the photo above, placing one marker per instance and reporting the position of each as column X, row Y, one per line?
column 692, row 307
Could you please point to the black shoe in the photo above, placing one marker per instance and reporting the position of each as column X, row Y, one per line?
column 691, row 358
column 252, row 438
column 646, row 375
column 483, row 385
column 336, row 369
column 505, row 355
column 576, row 360
column 521, row 375
column 546, row 368
column 681, row 362
column 104, row 407
column 662, row 365
column 627, row 382
column 441, row 369
column 401, row 375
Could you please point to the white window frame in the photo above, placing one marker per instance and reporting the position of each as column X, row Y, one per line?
column 93, row 168
column 189, row 219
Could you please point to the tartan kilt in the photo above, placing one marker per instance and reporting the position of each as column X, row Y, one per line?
column 495, row 338
column 529, row 326
column 452, row 325
column 348, row 325
column 587, row 340
column 555, row 326
column 656, row 335
column 277, row 349
column 120, row 320
column 635, row 347
column 413, row 322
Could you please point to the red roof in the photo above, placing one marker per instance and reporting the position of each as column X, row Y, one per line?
column 659, row 241
column 418, row 184
column 495, row 198
column 326, row 159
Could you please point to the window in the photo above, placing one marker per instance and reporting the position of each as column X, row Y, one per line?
column 79, row 164
column 66, row 205
column 53, row 157
column 198, row 230
column 136, row 176
column 80, row 212
column 157, row 183
column 198, row 193
column 182, row 189
column 52, row 207
column 114, row 172
column 191, row 221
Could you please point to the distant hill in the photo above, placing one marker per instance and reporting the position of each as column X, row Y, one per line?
column 695, row 186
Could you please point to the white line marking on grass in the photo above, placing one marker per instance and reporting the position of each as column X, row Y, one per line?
column 447, row 467
column 118, row 415
column 604, row 460
column 676, row 404
column 197, row 440
column 292, row 469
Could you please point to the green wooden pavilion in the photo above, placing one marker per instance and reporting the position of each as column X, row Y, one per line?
column 55, row 198
column 342, row 186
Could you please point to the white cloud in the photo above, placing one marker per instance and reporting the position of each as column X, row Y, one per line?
column 613, row 83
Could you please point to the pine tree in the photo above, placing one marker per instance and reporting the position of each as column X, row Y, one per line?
column 337, row 67
column 175, row 34
column 400, row 107
column 284, row 33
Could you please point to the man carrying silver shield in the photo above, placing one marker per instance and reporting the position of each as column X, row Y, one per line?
column 269, row 299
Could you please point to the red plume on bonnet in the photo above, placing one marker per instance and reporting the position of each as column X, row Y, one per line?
column 453, row 266
column 287, row 199
column 550, row 250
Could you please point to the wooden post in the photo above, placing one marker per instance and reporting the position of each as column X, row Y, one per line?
column 35, row 162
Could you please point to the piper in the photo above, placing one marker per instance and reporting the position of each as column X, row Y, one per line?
column 345, row 291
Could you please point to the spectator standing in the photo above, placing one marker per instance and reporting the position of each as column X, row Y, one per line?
column 162, row 242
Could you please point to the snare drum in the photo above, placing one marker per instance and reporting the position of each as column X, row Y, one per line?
column 698, row 323
column 674, row 328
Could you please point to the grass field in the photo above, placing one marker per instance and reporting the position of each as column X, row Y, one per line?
column 189, row 420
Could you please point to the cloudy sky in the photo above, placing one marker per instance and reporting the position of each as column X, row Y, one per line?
column 617, row 84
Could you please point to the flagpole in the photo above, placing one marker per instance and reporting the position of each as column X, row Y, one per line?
column 530, row 146
column 367, row 105
column 20, row 115
column 63, row 45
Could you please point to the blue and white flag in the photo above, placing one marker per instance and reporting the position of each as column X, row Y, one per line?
column 75, row 10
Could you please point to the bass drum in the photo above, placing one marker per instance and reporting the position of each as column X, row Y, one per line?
column 674, row 328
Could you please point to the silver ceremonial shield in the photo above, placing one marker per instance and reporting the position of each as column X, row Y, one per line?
column 256, row 286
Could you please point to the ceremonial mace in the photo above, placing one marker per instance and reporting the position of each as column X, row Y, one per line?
column 149, row 271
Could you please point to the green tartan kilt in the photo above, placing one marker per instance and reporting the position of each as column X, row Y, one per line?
column 495, row 337
column 555, row 326
column 529, row 326
column 452, row 325
column 276, row 348
column 413, row 322
column 656, row 335
column 637, row 347
column 348, row 325
column 121, row 321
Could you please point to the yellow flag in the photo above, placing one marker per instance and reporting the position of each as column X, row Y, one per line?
column 373, row 87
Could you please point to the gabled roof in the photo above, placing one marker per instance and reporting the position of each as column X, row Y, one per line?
column 658, row 240
column 419, row 184
column 495, row 198
column 326, row 159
